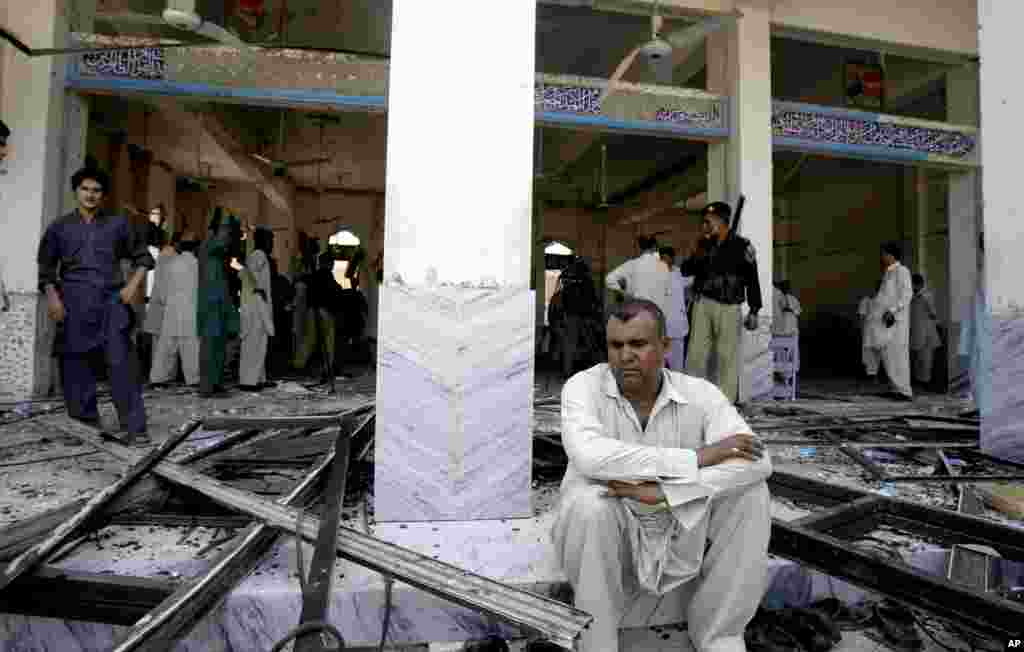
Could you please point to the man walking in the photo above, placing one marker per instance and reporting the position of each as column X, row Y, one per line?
column 724, row 267
column 924, row 332
column 644, row 277
column 80, row 274
column 891, row 343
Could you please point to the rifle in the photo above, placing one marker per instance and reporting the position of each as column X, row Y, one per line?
column 735, row 228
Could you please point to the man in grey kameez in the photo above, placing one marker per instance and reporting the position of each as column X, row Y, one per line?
column 665, row 487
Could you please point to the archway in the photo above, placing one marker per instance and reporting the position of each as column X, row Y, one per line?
column 346, row 243
column 556, row 256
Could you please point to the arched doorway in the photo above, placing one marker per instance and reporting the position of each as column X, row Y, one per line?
column 346, row 244
column 556, row 256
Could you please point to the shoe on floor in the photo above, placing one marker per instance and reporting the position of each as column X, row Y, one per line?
column 268, row 385
column 251, row 388
column 898, row 625
column 138, row 439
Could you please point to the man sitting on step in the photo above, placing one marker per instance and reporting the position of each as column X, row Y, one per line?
column 665, row 486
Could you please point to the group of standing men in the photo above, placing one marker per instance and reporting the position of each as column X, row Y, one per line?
column 189, row 312
column 720, row 272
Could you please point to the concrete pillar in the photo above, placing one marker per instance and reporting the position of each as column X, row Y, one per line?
column 456, row 333
column 964, row 204
column 538, row 266
column 739, row 65
column 919, row 254
column 33, row 192
column 1002, row 100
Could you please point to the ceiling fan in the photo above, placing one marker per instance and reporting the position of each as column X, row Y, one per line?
column 278, row 165
column 658, row 50
column 182, row 15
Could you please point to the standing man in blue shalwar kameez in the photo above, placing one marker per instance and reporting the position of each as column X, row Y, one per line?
column 80, row 273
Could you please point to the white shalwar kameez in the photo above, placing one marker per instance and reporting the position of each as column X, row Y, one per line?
column 178, row 335
column 676, row 321
column 892, row 344
column 257, row 321
column 713, row 531
column 646, row 277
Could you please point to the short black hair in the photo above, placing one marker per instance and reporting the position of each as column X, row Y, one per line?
column 5, row 132
column 894, row 249
column 632, row 307
column 917, row 279
column 95, row 174
column 718, row 209
column 785, row 287
column 646, row 243
column 668, row 251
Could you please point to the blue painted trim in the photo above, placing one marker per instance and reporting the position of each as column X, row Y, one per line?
column 869, row 152
column 833, row 111
column 556, row 117
column 260, row 95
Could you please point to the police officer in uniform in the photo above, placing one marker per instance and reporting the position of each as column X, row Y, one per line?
column 724, row 268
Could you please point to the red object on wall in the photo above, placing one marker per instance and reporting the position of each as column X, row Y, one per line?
column 251, row 6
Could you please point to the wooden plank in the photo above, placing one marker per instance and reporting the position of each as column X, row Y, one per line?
column 177, row 614
column 67, row 529
column 557, row 621
column 316, row 598
column 51, row 592
column 289, row 422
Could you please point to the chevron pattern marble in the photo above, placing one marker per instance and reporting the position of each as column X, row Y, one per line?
column 454, row 402
column 1002, row 429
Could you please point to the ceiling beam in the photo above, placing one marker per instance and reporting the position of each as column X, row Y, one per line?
column 663, row 194
column 279, row 191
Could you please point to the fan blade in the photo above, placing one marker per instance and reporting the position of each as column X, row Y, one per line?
column 688, row 36
column 661, row 70
column 218, row 33
column 131, row 18
column 188, row 6
column 623, row 68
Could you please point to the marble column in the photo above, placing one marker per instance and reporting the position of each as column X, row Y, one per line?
column 456, row 332
column 1002, row 100
column 964, row 217
column 34, row 190
column 739, row 65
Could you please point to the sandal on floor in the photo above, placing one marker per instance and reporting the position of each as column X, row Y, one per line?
column 810, row 629
column 845, row 617
column 763, row 635
column 898, row 625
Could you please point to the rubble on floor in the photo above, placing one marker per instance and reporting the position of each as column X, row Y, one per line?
column 842, row 440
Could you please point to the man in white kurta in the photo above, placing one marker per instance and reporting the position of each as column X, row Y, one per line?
column 677, row 321
column 786, row 316
column 179, row 289
column 257, row 314
column 645, row 276
column 889, row 324
column 665, row 486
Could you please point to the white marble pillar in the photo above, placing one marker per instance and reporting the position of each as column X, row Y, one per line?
column 34, row 190
column 456, row 348
column 964, row 202
column 1002, row 101
column 739, row 65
